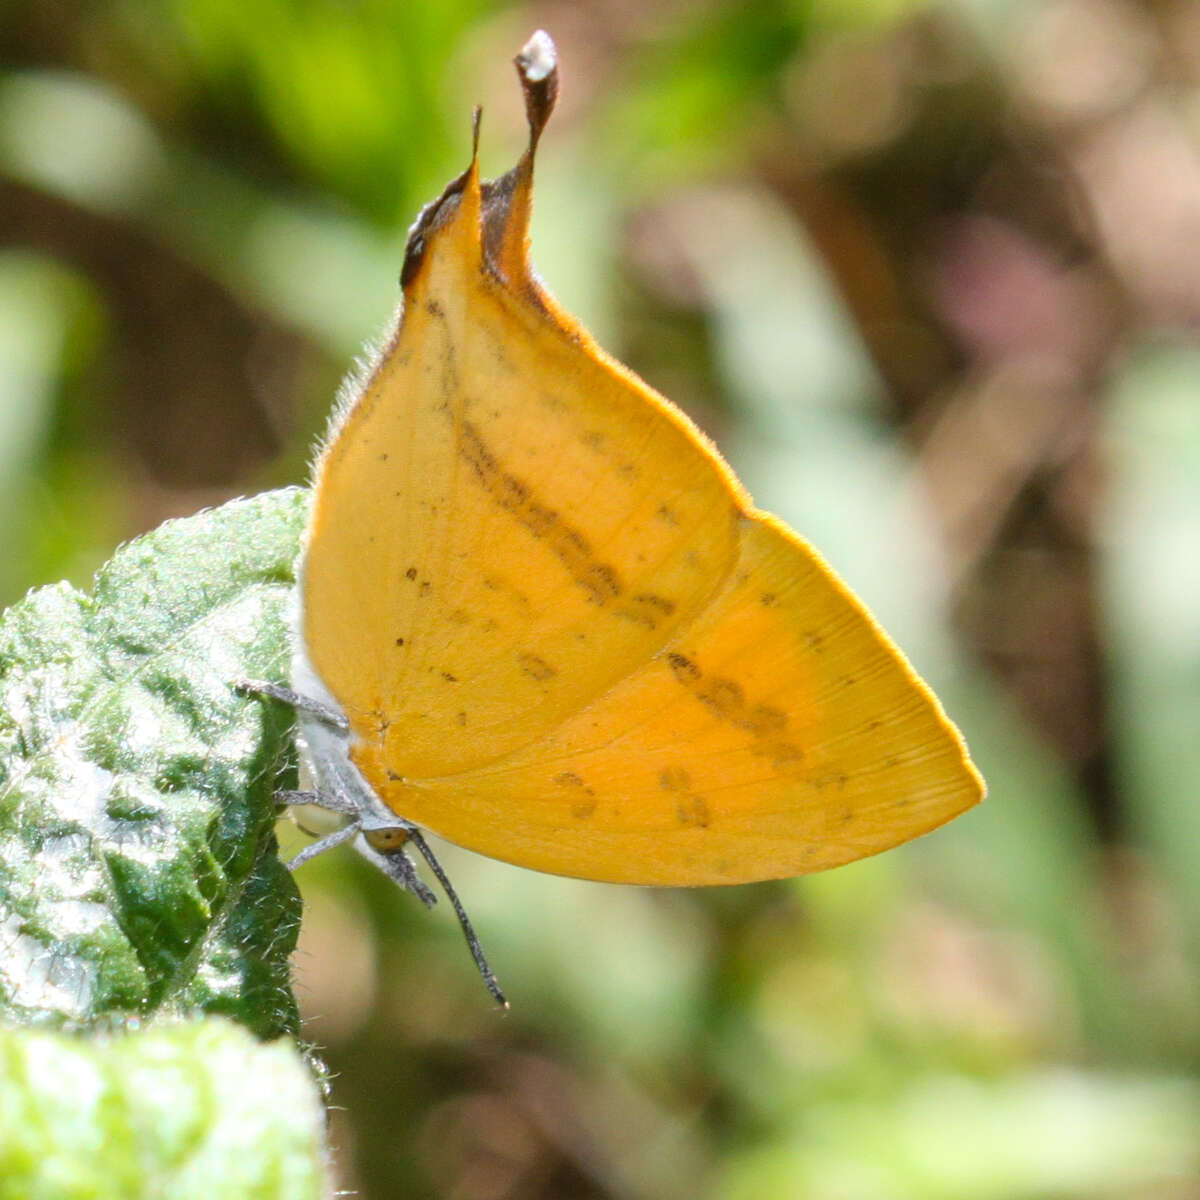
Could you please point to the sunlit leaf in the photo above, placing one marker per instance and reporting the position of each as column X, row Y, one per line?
column 138, row 872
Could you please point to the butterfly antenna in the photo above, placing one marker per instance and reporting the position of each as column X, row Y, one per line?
column 481, row 963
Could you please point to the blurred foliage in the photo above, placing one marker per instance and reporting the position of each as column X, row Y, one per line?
column 931, row 276
column 189, row 1110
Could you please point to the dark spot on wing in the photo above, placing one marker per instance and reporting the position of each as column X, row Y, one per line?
column 685, row 670
column 515, row 492
column 600, row 582
column 411, row 573
column 646, row 609
column 538, row 520
column 723, row 696
column 763, row 719
column 583, row 803
column 650, row 600
column 535, row 667
column 690, row 808
column 575, row 542
column 780, row 754
column 674, row 779
column 726, row 699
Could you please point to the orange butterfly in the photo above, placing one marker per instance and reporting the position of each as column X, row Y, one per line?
column 539, row 616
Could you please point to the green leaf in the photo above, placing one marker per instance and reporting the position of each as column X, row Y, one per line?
column 187, row 1110
column 138, row 868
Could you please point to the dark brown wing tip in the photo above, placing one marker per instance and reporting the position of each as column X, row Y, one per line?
column 438, row 211
column 537, row 65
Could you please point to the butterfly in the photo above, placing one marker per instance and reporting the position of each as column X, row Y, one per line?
column 539, row 616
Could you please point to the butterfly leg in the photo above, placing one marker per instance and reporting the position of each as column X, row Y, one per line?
column 322, row 844
column 330, row 716
column 330, row 801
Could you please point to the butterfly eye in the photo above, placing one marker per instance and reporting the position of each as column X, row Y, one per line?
column 386, row 840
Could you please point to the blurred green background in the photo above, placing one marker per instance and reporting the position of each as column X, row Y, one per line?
column 930, row 274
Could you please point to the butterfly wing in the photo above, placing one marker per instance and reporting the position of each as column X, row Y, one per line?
column 779, row 733
column 506, row 523
column 560, row 632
